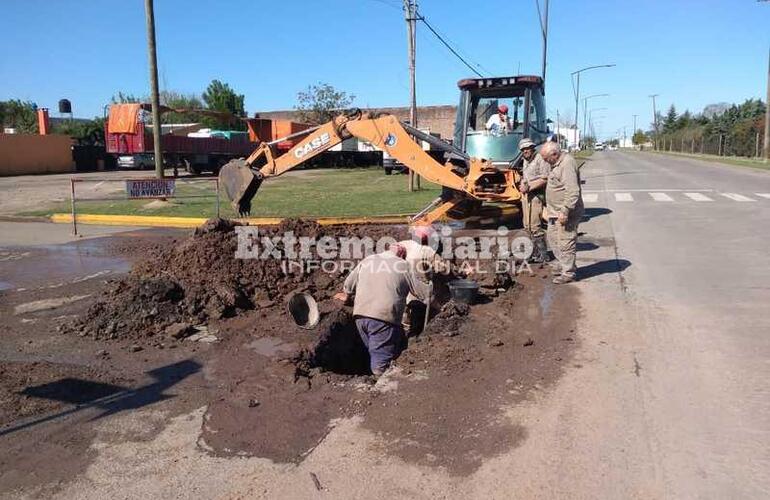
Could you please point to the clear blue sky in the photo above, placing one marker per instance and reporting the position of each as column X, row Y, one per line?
column 691, row 52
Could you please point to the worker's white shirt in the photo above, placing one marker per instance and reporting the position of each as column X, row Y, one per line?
column 495, row 123
column 420, row 257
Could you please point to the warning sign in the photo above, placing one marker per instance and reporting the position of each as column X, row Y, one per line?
column 150, row 188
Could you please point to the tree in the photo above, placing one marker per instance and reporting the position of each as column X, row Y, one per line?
column 121, row 98
column 176, row 100
column 320, row 103
column 88, row 132
column 21, row 115
column 669, row 122
column 640, row 138
column 220, row 97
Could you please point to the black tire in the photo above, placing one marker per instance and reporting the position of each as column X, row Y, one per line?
column 388, row 170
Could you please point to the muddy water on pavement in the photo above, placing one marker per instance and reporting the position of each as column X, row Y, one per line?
column 53, row 266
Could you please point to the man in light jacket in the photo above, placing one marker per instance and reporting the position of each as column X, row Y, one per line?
column 380, row 284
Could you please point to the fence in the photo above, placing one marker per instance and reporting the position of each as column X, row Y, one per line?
column 126, row 197
column 719, row 145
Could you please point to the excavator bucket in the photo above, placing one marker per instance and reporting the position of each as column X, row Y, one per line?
column 241, row 184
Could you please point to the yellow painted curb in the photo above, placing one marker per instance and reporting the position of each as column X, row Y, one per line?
column 190, row 222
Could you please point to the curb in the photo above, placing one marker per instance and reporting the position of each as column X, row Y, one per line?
column 192, row 222
column 24, row 218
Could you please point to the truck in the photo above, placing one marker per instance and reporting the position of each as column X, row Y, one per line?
column 128, row 137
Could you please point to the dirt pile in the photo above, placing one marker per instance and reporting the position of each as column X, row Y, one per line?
column 449, row 319
column 199, row 279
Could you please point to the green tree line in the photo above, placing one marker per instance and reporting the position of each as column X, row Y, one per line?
column 218, row 97
column 731, row 130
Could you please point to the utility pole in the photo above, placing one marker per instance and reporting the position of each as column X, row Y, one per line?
column 766, row 147
column 155, row 95
column 544, row 29
column 410, row 11
column 655, row 119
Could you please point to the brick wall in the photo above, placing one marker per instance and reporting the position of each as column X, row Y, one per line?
column 439, row 119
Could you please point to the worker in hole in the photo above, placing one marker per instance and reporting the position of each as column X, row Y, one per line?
column 423, row 254
column 379, row 286
column 534, row 177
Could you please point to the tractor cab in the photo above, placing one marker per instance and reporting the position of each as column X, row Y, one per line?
column 481, row 132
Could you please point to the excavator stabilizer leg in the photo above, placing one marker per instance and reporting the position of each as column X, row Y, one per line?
column 241, row 184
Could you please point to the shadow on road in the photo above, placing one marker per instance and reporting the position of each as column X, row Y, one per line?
column 109, row 398
column 603, row 267
column 592, row 212
column 586, row 246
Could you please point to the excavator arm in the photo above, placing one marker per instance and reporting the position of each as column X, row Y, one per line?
column 241, row 179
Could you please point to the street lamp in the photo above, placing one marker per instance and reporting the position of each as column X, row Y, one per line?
column 655, row 119
column 585, row 105
column 577, row 88
column 590, row 118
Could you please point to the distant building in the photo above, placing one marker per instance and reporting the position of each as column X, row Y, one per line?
column 438, row 119
column 572, row 136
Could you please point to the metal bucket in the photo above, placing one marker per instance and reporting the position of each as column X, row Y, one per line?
column 304, row 310
column 463, row 291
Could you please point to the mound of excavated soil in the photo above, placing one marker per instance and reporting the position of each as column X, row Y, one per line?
column 199, row 279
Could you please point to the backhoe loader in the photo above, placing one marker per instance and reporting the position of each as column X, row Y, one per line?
column 467, row 181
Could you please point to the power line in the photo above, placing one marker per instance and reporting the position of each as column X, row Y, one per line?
column 448, row 46
column 389, row 4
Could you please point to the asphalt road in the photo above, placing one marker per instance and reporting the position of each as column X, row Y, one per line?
column 675, row 397
column 665, row 397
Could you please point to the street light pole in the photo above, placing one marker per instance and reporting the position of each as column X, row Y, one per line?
column 590, row 121
column 655, row 119
column 766, row 146
column 585, row 105
column 577, row 92
column 154, row 93
column 633, row 132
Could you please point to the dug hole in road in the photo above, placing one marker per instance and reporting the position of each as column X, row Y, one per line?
column 191, row 358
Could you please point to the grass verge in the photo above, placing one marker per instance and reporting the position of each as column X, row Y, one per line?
column 314, row 193
column 735, row 161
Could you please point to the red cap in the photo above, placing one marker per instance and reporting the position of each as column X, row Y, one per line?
column 502, row 108
column 398, row 250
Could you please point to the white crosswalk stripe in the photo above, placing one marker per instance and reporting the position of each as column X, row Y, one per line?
column 737, row 197
column 591, row 197
column 763, row 195
column 623, row 197
column 661, row 197
column 698, row 197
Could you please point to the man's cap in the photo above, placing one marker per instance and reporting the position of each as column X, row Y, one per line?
column 526, row 143
column 502, row 108
column 398, row 250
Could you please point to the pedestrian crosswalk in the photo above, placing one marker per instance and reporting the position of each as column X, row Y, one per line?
column 623, row 197
column 669, row 196
column 698, row 197
column 736, row 197
column 661, row 197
